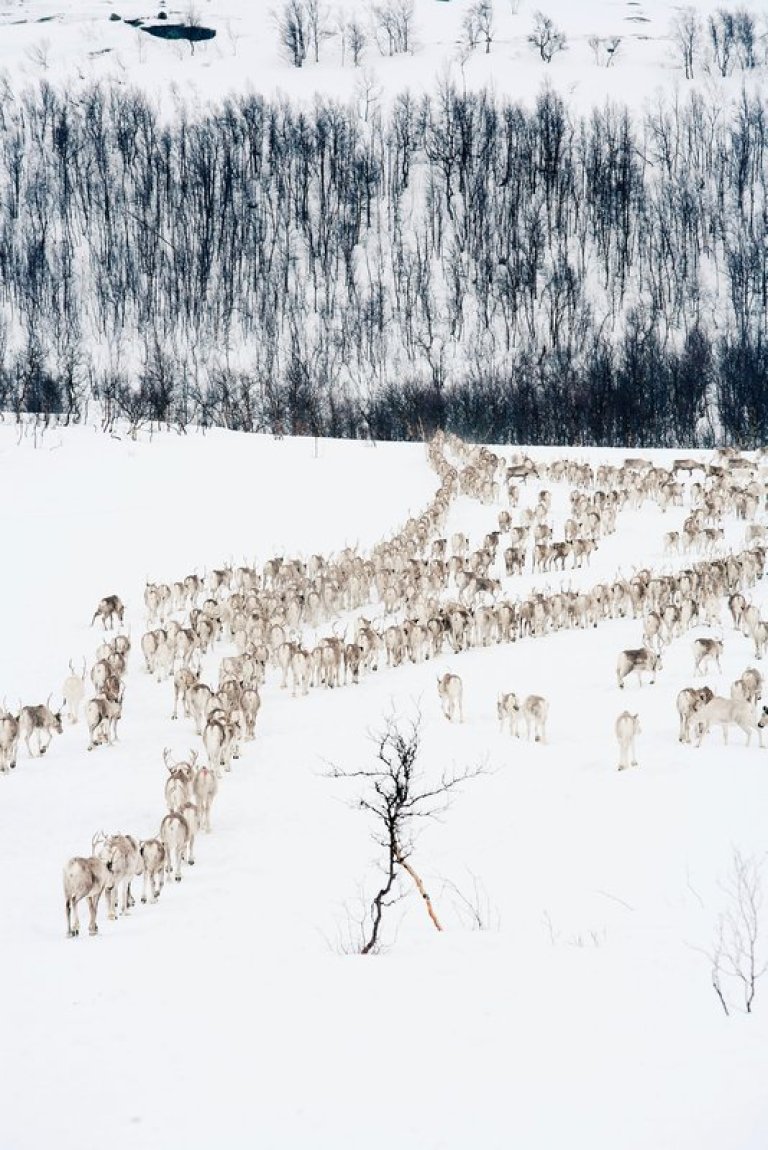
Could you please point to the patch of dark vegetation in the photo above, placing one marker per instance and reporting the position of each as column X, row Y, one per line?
column 135, row 23
column 114, row 16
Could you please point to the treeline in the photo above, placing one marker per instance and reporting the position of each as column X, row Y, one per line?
column 511, row 274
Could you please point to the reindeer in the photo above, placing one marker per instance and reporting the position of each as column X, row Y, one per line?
column 100, row 672
column 180, row 775
column 39, row 720
column 301, row 671
column 736, row 605
column 749, row 686
column 627, row 728
column 451, row 692
column 109, row 607
column 174, row 835
column 152, row 602
column 689, row 701
column 535, row 711
column 197, row 701
column 183, row 679
column 102, row 716
column 178, row 785
column 759, row 635
column 284, row 655
column 84, row 878
column 153, row 861
column 724, row 712
column 162, row 663
column 205, row 787
column 250, row 705
column 149, row 643
column 73, row 692
column 637, row 660
column 219, row 742
column 121, row 644
column 9, row 740
column 190, row 814
column 120, row 854
column 508, row 710
column 704, row 651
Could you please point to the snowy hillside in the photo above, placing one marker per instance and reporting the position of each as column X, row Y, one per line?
column 229, row 1013
column 84, row 42
column 553, row 244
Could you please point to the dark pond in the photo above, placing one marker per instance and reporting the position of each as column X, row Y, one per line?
column 189, row 32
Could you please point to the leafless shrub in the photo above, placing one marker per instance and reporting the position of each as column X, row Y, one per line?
column 477, row 25
column 604, row 49
column 474, row 905
column 393, row 23
column 685, row 33
column 548, row 39
column 738, row 959
column 722, row 40
column 353, row 38
column 293, row 31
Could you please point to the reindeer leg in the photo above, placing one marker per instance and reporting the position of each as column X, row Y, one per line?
column 71, row 932
column 93, row 903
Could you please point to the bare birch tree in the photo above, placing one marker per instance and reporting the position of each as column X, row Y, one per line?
column 399, row 797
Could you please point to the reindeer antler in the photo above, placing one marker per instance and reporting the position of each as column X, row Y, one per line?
column 166, row 753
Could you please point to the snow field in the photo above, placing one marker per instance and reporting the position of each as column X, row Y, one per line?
column 584, row 1013
column 82, row 44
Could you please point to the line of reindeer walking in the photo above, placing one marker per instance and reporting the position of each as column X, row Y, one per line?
column 269, row 615
column 262, row 612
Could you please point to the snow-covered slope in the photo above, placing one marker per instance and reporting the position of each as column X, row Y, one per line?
column 229, row 1013
column 82, row 42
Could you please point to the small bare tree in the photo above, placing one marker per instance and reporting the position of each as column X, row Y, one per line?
column 722, row 40
column 477, row 25
column 293, row 31
column 548, row 39
column 393, row 23
column 736, row 957
column 685, row 33
column 398, row 797
column 604, row 48
column 354, row 38
column 746, row 38
column 318, row 25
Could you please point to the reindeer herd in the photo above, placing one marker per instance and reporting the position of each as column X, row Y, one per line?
column 327, row 622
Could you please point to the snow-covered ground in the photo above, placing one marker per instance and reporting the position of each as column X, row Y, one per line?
column 80, row 42
column 228, row 1014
